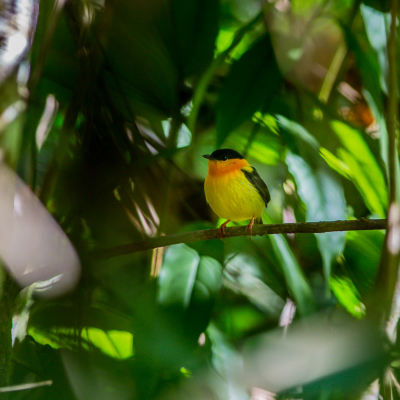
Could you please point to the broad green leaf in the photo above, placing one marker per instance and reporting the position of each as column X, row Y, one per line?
column 375, row 203
column 323, row 196
column 252, row 275
column 347, row 295
column 335, row 163
column 187, row 277
column 294, row 276
column 295, row 135
column 347, row 165
column 116, row 344
column 266, row 146
column 250, row 84
column 373, row 66
column 367, row 62
column 363, row 169
column 196, row 24
column 318, row 187
column 375, row 26
column 208, row 280
column 178, row 275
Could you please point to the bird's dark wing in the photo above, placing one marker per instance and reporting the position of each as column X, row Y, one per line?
column 258, row 183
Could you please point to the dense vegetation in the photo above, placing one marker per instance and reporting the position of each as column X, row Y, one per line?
column 114, row 105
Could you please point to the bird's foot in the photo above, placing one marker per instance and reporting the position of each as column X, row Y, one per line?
column 221, row 230
column 250, row 226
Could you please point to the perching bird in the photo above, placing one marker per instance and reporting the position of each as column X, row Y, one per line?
column 234, row 190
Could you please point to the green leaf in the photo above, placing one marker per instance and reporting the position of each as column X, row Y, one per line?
column 178, row 275
column 335, row 163
column 140, row 53
column 228, row 363
column 186, row 277
column 208, row 280
column 347, row 295
column 375, row 26
column 372, row 62
column 114, row 343
column 323, row 196
column 295, row 135
column 253, row 275
column 33, row 362
column 196, row 24
column 367, row 62
column 362, row 257
column 363, row 169
column 318, row 187
column 379, row 5
column 264, row 147
column 251, row 84
column 294, row 276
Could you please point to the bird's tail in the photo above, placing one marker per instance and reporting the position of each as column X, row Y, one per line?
column 258, row 221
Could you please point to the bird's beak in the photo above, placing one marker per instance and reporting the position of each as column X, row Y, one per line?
column 209, row 157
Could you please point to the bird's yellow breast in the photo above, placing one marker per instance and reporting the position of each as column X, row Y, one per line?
column 230, row 194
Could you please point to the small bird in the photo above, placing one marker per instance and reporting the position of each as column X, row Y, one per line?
column 234, row 190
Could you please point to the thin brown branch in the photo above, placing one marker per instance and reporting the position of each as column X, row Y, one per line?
column 258, row 230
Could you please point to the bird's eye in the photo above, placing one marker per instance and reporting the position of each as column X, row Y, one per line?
column 224, row 158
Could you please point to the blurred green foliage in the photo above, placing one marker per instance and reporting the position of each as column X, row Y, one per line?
column 118, row 164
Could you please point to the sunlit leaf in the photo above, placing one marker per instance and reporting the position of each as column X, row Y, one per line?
column 347, row 295
column 335, row 163
column 367, row 62
column 363, row 169
column 251, row 83
column 116, row 344
column 318, row 187
column 295, row 135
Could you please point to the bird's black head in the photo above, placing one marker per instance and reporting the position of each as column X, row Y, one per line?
column 223, row 155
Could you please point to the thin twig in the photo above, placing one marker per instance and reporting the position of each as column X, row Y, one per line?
column 25, row 386
column 258, row 230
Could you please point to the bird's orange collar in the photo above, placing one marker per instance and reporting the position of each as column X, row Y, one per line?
column 220, row 168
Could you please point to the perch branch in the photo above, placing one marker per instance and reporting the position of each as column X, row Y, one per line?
column 258, row 230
